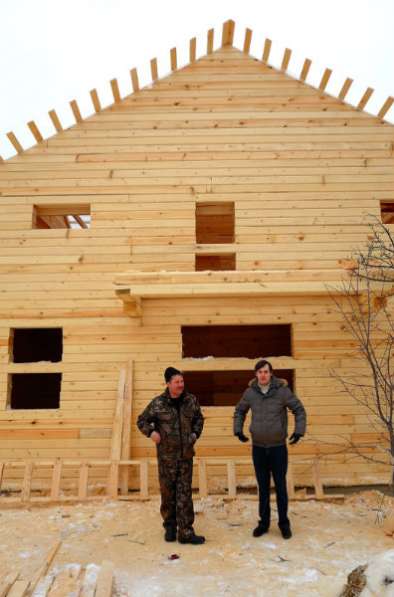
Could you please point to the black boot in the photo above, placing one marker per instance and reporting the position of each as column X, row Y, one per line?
column 193, row 539
column 170, row 534
column 261, row 529
column 286, row 532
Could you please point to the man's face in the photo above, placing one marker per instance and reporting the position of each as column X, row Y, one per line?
column 264, row 375
column 176, row 386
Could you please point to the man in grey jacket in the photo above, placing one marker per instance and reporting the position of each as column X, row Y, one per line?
column 269, row 397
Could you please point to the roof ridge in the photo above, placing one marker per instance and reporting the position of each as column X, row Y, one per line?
column 228, row 30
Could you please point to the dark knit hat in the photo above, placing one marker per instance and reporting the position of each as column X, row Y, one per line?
column 261, row 363
column 170, row 372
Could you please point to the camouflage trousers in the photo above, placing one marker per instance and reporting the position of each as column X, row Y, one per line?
column 175, row 478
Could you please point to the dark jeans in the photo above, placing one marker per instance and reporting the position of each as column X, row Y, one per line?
column 267, row 461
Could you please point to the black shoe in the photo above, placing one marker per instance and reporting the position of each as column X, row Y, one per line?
column 261, row 529
column 170, row 534
column 286, row 532
column 193, row 539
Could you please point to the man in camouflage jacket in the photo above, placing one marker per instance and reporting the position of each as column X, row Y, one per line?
column 173, row 420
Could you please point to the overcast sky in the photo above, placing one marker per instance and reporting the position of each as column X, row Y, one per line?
column 53, row 51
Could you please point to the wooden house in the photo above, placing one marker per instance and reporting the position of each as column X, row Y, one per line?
column 196, row 222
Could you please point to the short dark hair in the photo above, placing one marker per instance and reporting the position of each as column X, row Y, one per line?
column 261, row 363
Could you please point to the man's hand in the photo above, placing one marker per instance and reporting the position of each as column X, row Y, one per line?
column 155, row 436
column 295, row 437
column 193, row 438
column 242, row 437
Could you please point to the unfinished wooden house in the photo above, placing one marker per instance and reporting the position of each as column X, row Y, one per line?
column 196, row 223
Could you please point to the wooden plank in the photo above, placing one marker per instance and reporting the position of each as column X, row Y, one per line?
column 134, row 79
column 18, row 589
column 286, row 59
column 116, row 442
column 228, row 33
column 305, row 69
column 7, row 582
column 247, row 41
column 105, row 580
column 345, row 89
column 56, row 478
column 55, row 121
column 210, row 35
column 83, row 481
column 95, row 100
column 365, row 98
column 127, row 408
column 153, row 69
column 202, row 478
column 173, row 59
column 386, row 107
column 43, row 569
column 14, row 141
column 144, row 478
column 192, row 50
column 325, row 78
column 35, row 131
column 267, row 50
column 115, row 90
column 76, row 111
column 231, row 479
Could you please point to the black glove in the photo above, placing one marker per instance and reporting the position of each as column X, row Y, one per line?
column 295, row 437
column 242, row 437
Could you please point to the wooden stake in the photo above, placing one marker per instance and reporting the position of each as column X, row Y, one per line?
column 365, row 98
column 2, row 466
column 286, row 59
column 112, row 488
column 202, row 478
column 173, row 59
column 290, row 482
column 345, row 88
column 15, row 142
column 228, row 33
column 80, row 221
column 247, row 41
column 319, row 492
column 134, row 79
column 76, row 111
column 26, row 488
column 231, row 479
column 267, row 50
column 95, row 100
column 210, row 41
column 144, row 479
column 386, row 107
column 115, row 90
column 325, row 78
column 55, row 121
column 83, row 481
column 153, row 69
column 305, row 69
column 105, row 580
column 192, row 50
column 56, row 477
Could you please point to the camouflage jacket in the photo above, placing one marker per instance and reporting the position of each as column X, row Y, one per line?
column 178, row 429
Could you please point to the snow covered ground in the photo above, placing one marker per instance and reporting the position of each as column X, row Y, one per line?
column 329, row 541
